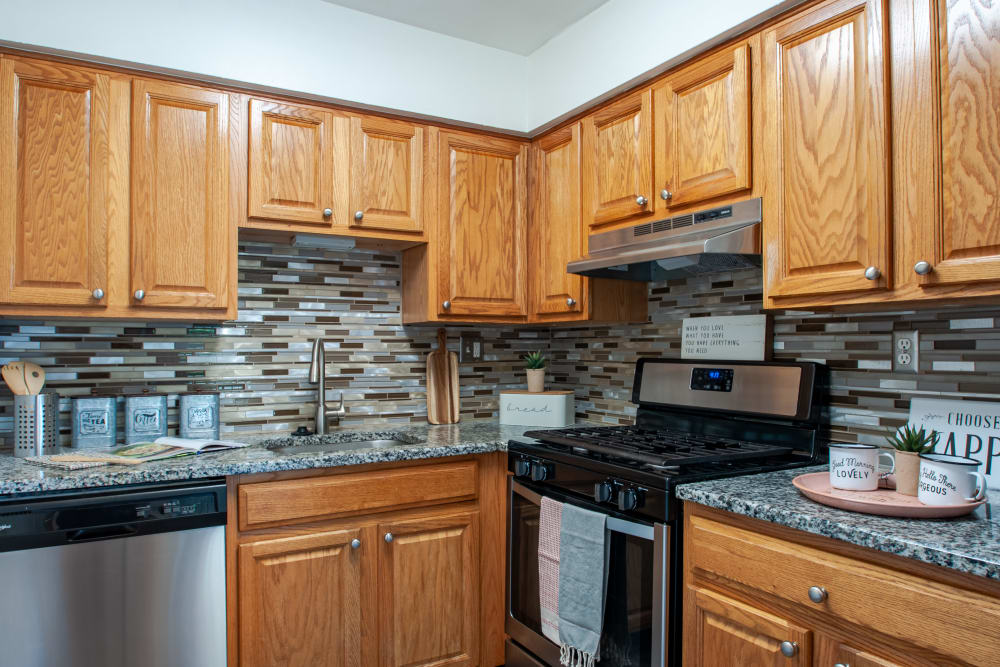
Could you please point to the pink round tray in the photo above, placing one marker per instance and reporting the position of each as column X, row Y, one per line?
column 884, row 502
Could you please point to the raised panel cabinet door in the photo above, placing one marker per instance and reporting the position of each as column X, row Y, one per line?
column 291, row 164
column 830, row 651
column 557, row 230
column 827, row 210
column 181, row 231
column 482, row 228
column 962, row 243
column 702, row 130
column 386, row 175
column 429, row 591
column 53, row 181
column 308, row 600
column 618, row 160
column 728, row 632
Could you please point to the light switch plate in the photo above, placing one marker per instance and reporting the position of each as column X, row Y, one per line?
column 905, row 351
column 470, row 347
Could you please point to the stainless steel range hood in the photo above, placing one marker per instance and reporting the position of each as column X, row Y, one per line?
column 711, row 241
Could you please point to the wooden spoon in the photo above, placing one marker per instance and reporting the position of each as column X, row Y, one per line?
column 13, row 375
column 34, row 377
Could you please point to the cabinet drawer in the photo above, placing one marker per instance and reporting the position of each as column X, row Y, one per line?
column 296, row 500
column 922, row 612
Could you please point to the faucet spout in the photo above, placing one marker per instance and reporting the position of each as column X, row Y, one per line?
column 317, row 375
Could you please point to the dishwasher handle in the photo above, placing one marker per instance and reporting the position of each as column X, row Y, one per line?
column 102, row 533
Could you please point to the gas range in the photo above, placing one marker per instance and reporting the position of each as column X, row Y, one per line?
column 695, row 421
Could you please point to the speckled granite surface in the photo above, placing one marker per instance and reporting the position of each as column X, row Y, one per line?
column 969, row 544
column 472, row 437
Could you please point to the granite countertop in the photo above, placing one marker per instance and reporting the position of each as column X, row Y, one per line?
column 968, row 544
column 473, row 437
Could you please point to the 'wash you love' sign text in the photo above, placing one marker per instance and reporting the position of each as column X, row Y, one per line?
column 967, row 428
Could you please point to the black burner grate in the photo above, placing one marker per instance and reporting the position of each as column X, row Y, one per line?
column 657, row 448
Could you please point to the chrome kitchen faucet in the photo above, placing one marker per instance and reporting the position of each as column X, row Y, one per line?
column 317, row 375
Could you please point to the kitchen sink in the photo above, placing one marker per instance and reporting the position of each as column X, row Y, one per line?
column 338, row 442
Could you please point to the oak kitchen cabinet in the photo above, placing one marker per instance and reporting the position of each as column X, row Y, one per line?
column 760, row 593
column 558, row 237
column 385, row 564
column 103, row 174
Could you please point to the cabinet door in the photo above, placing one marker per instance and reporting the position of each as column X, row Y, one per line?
column 830, row 651
column 961, row 239
column 557, row 231
column 308, row 600
column 429, row 591
column 53, row 179
column 729, row 632
column 291, row 164
column 618, row 160
column 702, row 130
column 386, row 174
column 482, row 229
column 182, row 237
column 827, row 215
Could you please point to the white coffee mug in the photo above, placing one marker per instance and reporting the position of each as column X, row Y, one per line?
column 950, row 480
column 854, row 466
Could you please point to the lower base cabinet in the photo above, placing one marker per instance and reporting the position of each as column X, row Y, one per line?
column 760, row 594
column 410, row 580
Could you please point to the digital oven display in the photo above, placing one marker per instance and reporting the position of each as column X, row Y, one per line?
column 712, row 379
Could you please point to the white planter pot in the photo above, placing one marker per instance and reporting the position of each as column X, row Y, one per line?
column 536, row 380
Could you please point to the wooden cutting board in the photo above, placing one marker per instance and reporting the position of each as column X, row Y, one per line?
column 442, row 383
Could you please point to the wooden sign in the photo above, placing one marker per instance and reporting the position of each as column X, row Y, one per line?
column 967, row 428
column 735, row 337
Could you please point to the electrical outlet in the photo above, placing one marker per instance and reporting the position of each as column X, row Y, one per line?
column 905, row 348
column 470, row 347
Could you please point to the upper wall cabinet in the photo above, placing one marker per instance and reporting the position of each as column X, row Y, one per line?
column 53, row 184
column 291, row 164
column 827, row 207
column 181, row 231
column 702, row 130
column 386, row 174
column 482, row 228
column 618, row 161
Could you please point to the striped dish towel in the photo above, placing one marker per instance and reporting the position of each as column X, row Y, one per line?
column 549, row 530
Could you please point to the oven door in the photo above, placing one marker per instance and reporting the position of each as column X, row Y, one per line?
column 635, row 613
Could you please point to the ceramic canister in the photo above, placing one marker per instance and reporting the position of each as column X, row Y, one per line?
column 95, row 422
column 145, row 417
column 200, row 415
column 854, row 466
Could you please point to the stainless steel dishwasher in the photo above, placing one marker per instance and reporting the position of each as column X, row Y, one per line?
column 118, row 578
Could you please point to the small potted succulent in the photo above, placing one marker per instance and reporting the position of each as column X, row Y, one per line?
column 535, row 364
column 909, row 444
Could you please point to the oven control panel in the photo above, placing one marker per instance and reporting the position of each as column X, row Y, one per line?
column 712, row 379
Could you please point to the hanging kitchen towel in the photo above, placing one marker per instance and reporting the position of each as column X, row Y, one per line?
column 549, row 526
column 583, row 575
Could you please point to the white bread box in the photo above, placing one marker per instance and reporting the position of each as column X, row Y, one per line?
column 547, row 408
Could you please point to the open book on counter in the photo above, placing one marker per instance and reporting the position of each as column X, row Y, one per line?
column 169, row 447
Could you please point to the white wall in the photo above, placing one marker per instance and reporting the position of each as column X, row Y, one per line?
column 619, row 41
column 305, row 46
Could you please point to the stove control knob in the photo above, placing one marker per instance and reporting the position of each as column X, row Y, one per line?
column 628, row 499
column 522, row 468
column 540, row 472
column 603, row 492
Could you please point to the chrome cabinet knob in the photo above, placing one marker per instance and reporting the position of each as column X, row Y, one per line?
column 818, row 594
column 139, row 295
column 358, row 215
column 446, row 305
column 388, row 538
column 570, row 301
column 789, row 649
column 327, row 212
column 98, row 294
column 922, row 268
column 872, row 273
column 665, row 194
column 355, row 543
column 640, row 200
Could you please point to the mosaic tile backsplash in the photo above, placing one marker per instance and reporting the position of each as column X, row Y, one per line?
column 289, row 295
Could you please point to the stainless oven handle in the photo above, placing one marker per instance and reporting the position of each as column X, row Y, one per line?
column 635, row 529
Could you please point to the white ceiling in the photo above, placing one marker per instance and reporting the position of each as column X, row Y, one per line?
column 518, row 26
